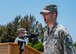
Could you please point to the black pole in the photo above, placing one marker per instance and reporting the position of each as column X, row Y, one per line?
column 20, row 51
column 20, row 43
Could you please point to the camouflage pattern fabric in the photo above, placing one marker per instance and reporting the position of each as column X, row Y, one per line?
column 57, row 41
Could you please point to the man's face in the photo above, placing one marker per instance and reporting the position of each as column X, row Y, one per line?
column 47, row 17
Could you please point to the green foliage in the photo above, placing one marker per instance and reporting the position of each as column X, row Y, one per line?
column 38, row 46
column 74, row 44
column 8, row 32
column 30, row 44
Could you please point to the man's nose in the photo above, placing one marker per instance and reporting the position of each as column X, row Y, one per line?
column 44, row 16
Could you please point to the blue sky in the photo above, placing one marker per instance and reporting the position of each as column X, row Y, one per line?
column 9, row 9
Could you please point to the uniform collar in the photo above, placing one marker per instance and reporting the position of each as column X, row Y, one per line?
column 54, row 26
column 50, row 30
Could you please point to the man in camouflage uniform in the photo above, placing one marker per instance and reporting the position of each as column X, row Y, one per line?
column 56, row 38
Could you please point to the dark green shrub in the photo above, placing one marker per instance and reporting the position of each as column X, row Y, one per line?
column 38, row 46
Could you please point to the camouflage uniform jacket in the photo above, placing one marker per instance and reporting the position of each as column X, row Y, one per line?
column 57, row 41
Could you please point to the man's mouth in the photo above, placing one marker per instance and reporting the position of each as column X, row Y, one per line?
column 45, row 19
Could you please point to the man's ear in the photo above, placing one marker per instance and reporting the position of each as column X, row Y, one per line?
column 54, row 15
